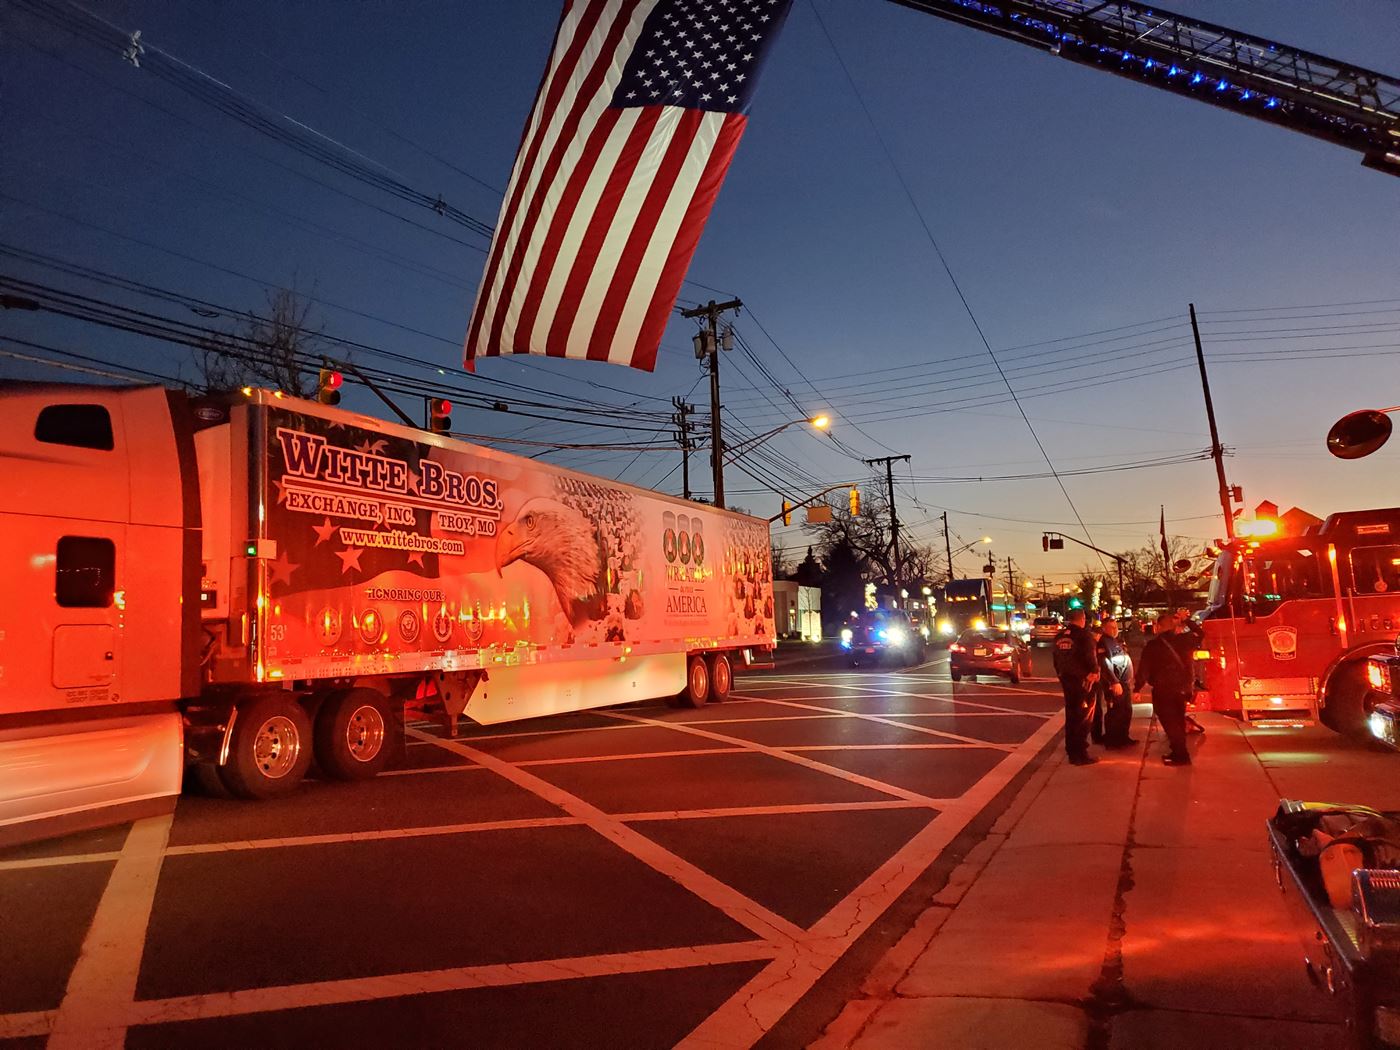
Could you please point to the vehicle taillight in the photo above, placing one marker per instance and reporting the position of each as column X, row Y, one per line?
column 956, row 648
column 1004, row 649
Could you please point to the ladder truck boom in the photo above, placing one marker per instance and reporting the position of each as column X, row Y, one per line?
column 1349, row 106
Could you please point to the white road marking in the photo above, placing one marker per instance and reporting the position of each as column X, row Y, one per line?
column 889, row 721
column 394, row 985
column 761, row 1003
column 774, row 811
column 749, row 913
column 103, row 982
column 788, row 756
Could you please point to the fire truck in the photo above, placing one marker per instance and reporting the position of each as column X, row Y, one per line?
column 242, row 584
column 1290, row 622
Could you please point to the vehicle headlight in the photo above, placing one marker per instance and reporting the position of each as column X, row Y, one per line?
column 1378, row 725
column 924, row 631
column 846, row 635
column 895, row 636
column 979, row 625
column 945, row 628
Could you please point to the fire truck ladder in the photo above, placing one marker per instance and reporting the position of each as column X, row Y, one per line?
column 1342, row 104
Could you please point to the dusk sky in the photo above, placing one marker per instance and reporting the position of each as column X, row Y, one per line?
column 1080, row 213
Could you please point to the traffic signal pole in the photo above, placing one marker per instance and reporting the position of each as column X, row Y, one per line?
column 948, row 545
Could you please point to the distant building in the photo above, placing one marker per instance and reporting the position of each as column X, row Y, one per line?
column 797, row 610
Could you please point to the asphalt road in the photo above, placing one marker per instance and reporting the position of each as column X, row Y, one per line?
column 639, row 876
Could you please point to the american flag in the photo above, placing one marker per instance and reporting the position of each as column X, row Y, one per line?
column 636, row 120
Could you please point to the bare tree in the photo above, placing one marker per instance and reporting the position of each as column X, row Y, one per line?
column 868, row 536
column 277, row 349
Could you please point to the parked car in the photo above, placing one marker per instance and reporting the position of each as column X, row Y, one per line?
column 1044, row 629
column 882, row 634
column 991, row 652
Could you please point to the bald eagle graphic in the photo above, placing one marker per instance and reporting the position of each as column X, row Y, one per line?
column 564, row 545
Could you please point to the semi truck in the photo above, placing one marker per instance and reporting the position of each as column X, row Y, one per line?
column 232, row 587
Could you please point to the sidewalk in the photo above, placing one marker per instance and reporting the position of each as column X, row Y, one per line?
column 1122, row 905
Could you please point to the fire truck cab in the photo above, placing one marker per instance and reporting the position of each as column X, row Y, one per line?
column 1290, row 622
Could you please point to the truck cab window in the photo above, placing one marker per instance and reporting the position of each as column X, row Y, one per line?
column 1275, row 575
column 82, row 426
column 85, row 572
column 1375, row 570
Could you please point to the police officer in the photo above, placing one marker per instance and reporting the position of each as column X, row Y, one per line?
column 1077, row 666
column 1115, row 687
column 1166, row 667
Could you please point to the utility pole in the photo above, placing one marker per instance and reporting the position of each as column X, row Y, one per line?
column 1217, row 452
column 1010, row 592
column 948, row 545
column 707, row 342
column 681, row 419
column 889, row 462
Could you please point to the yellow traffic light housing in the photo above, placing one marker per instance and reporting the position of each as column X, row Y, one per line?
column 855, row 502
column 787, row 512
column 328, row 385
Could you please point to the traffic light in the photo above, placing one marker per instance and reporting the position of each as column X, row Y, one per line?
column 1049, row 542
column 855, row 502
column 787, row 512
column 328, row 386
column 439, row 415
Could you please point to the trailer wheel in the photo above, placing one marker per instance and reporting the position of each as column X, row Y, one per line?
column 352, row 734
column 697, row 683
column 270, row 750
column 721, row 676
column 1345, row 712
column 955, row 676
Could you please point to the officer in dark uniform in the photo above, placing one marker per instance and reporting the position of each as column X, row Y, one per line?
column 1115, row 687
column 1166, row 666
column 1077, row 666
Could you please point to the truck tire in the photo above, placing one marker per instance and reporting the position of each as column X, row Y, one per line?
column 721, row 677
column 955, row 676
column 352, row 734
column 697, row 683
column 1345, row 712
column 270, row 750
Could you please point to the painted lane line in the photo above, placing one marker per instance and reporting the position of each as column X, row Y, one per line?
column 102, row 984
column 59, row 861
column 983, row 746
column 431, row 769
column 382, row 835
column 581, row 759
column 396, row 985
column 748, row 913
column 36, row 1023
column 522, row 733
column 888, row 720
column 766, row 998
column 788, row 756
column 777, row 811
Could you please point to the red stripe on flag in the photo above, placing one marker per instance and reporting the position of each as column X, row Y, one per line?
column 567, row 133
column 599, row 223
column 545, row 107
column 669, row 285
column 559, row 226
column 641, row 235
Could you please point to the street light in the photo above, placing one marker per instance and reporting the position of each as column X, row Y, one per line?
column 985, row 541
column 1358, row 434
column 733, row 452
